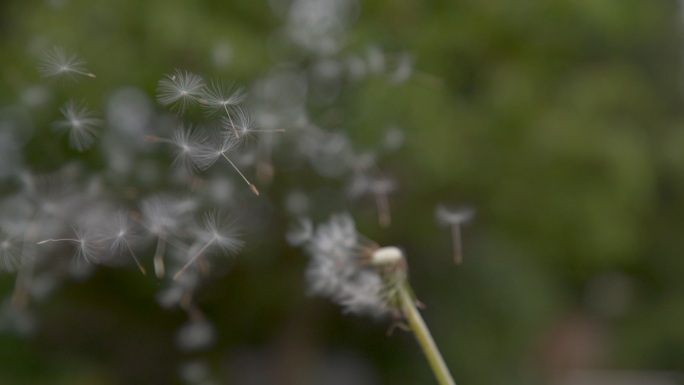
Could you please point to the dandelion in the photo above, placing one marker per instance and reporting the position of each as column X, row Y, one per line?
column 79, row 124
column 220, row 98
column 222, row 145
column 58, row 63
column 379, row 187
column 121, row 236
column 192, row 147
column 223, row 100
column 11, row 251
column 88, row 242
column 163, row 216
column 365, row 278
column 339, row 265
column 455, row 218
column 213, row 232
column 181, row 90
column 242, row 123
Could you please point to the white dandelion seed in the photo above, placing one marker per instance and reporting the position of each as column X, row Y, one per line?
column 214, row 232
column 192, row 147
column 219, row 98
column 79, row 124
column 352, row 270
column 163, row 217
column 12, row 251
column 221, row 146
column 88, row 240
column 58, row 63
column 379, row 187
column 180, row 91
column 242, row 124
column 455, row 218
column 121, row 236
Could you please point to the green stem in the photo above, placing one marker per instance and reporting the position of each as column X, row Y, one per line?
column 424, row 338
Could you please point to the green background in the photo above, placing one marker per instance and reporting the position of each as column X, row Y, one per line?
column 559, row 121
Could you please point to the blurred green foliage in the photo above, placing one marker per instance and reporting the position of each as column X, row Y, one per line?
column 559, row 121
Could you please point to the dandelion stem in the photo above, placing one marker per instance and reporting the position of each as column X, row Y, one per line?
column 458, row 247
column 137, row 261
column 251, row 186
column 424, row 338
column 191, row 260
column 58, row 240
column 231, row 123
column 88, row 74
column 159, row 269
column 156, row 139
column 204, row 266
column 383, row 210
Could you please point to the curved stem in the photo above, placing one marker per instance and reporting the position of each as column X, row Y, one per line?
column 424, row 338
column 159, row 268
column 251, row 186
column 237, row 136
column 192, row 259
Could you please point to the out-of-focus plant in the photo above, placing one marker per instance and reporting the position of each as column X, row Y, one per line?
column 154, row 202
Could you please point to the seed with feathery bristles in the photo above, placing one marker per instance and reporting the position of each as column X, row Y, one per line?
column 180, row 91
column 192, row 147
column 162, row 216
column 121, row 236
column 214, row 231
column 220, row 97
column 11, row 251
column 242, row 124
column 79, row 124
column 58, row 63
column 455, row 218
column 88, row 242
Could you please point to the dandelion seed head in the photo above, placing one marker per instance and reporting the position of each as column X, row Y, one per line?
column 88, row 240
column 164, row 214
column 221, row 144
column 89, row 244
column 386, row 256
column 11, row 251
column 240, row 121
column 219, row 98
column 180, row 91
column 220, row 232
column 337, row 271
column 193, row 149
column 120, row 232
column 365, row 296
column 79, row 124
column 58, row 63
column 454, row 216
